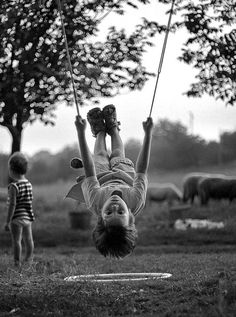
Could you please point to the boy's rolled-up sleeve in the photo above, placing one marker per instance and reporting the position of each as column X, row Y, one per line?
column 139, row 191
column 90, row 188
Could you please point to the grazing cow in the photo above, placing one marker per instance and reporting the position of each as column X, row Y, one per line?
column 223, row 187
column 190, row 186
column 163, row 192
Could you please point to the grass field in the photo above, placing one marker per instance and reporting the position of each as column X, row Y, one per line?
column 203, row 263
column 195, row 288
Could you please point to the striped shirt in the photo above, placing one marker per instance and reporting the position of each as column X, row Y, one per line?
column 24, row 197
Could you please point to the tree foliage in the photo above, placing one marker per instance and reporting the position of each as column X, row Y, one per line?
column 210, row 46
column 228, row 149
column 173, row 147
column 48, row 168
column 34, row 72
column 132, row 148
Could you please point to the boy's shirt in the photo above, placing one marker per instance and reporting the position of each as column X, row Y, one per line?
column 24, row 197
column 134, row 195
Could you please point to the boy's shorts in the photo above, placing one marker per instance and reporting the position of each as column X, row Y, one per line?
column 115, row 164
column 21, row 222
column 117, row 168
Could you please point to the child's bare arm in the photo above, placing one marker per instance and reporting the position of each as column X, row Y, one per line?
column 144, row 154
column 86, row 155
column 11, row 206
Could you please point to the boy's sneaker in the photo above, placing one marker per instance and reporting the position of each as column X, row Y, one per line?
column 95, row 118
column 109, row 115
column 76, row 163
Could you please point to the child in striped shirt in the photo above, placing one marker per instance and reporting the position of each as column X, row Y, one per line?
column 20, row 212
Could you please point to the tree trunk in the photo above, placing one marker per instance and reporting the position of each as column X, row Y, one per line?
column 16, row 143
column 16, row 140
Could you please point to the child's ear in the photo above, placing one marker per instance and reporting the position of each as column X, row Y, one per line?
column 131, row 218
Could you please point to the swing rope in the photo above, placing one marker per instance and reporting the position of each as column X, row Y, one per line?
column 108, row 12
column 68, row 56
column 68, row 53
column 70, row 65
column 162, row 55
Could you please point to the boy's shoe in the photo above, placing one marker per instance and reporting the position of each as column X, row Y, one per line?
column 76, row 163
column 109, row 115
column 95, row 118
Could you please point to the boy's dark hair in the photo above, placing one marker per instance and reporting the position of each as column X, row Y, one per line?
column 116, row 240
column 18, row 163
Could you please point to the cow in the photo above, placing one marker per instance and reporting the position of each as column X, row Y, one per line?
column 163, row 192
column 223, row 187
column 190, row 186
column 191, row 182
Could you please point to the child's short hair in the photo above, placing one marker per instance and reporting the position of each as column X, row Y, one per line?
column 18, row 163
column 115, row 240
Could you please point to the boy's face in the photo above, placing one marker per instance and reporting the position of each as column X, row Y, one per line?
column 115, row 211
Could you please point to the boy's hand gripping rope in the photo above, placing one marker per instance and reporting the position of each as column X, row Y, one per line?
column 162, row 55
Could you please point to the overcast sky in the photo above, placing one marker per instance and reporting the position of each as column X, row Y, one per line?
column 209, row 117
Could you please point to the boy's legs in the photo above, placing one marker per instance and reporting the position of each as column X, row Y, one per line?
column 103, row 122
column 118, row 161
column 98, row 128
column 100, row 149
column 16, row 232
column 28, row 241
column 112, row 128
column 117, row 145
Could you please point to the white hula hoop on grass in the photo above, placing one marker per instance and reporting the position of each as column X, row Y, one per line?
column 117, row 277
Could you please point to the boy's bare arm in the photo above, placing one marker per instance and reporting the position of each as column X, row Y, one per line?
column 86, row 155
column 144, row 154
column 11, row 206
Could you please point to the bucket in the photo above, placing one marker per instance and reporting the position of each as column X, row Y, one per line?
column 80, row 219
column 177, row 212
